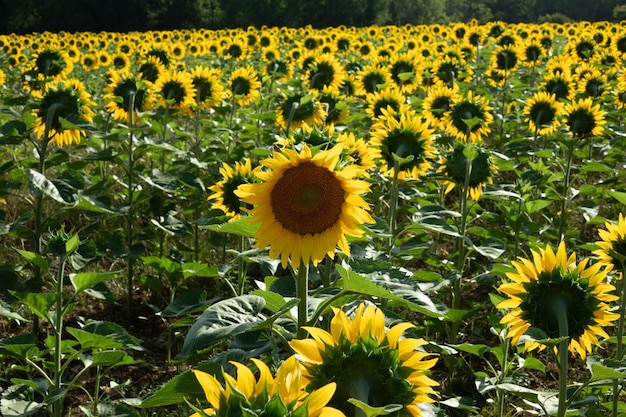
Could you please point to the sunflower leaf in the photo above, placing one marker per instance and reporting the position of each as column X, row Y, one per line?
column 601, row 372
column 375, row 411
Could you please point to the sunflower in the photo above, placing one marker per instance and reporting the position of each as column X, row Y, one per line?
column 151, row 69
column 560, row 84
column 358, row 152
column 613, row 244
column 438, row 101
column 175, row 90
column 278, row 69
column 325, row 71
column 244, row 85
column 593, row 84
column 542, row 113
column 306, row 205
column 125, row 91
column 549, row 280
column 369, row 362
column 404, row 72
column 66, row 99
column 389, row 98
column 532, row 53
column 371, row 79
column 52, row 63
column 451, row 70
column 453, row 166
column 224, row 190
column 468, row 118
column 335, row 108
column 505, row 59
column 405, row 135
column 236, row 48
column 582, row 117
column 208, row 87
column 282, row 396
column 299, row 110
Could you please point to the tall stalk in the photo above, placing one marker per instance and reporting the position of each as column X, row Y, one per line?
column 568, row 170
column 559, row 308
column 302, row 290
column 130, row 214
column 619, row 349
column 58, row 335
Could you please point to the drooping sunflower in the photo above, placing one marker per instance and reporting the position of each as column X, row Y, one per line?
column 613, row 244
column 208, row 86
column 405, row 135
column 269, row 396
column 299, row 110
column 224, row 190
column 306, row 205
column 389, row 98
column 175, row 90
column 368, row 362
column 583, row 117
column 469, row 118
column 542, row 113
column 553, row 283
column 67, row 99
column 453, row 166
column 244, row 85
column 438, row 101
column 126, row 91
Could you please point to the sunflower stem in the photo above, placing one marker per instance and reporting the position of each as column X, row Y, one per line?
column 559, row 307
column 302, row 288
column 131, row 208
column 393, row 205
column 619, row 340
column 568, row 170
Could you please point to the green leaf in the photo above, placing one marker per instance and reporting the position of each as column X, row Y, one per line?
column 600, row 372
column 85, row 280
column 34, row 258
column 105, row 409
column 534, row 363
column 375, row 411
column 187, row 302
column 114, row 332
column 227, row 318
column 491, row 248
column 112, row 358
column 40, row 303
column 240, row 227
column 91, row 204
column 198, row 269
column 618, row 195
column 17, row 401
column 90, row 341
column 273, row 301
column 534, row 206
column 478, row 349
column 46, row 186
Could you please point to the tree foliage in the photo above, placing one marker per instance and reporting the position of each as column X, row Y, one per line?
column 24, row 16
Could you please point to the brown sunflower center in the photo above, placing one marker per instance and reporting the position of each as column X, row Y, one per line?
column 307, row 199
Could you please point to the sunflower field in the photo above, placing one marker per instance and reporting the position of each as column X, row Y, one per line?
column 414, row 221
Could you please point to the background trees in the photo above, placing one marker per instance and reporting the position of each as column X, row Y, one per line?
column 24, row 16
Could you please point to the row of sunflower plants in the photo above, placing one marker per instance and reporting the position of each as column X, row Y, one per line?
column 408, row 221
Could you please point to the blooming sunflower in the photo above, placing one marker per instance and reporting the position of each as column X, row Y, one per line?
column 405, row 135
column 151, row 69
column 224, row 190
column 244, row 85
column 335, row 108
column 505, row 59
column 438, row 102
column 404, row 72
column 133, row 92
column 66, row 99
column 299, row 110
column 306, row 205
column 593, row 84
column 454, row 163
column 451, row 70
column 583, row 117
column 371, row 79
column 368, row 362
column 325, row 71
column 551, row 280
column 560, row 84
column 283, row 396
column 175, row 90
column 358, row 152
column 613, row 243
column 542, row 112
column 468, row 118
column 206, row 81
column 53, row 63
column 389, row 98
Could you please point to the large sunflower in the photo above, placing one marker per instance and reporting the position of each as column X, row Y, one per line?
column 438, row 101
column 369, row 362
column 325, row 71
column 454, row 163
column 52, row 63
column 299, row 110
column 175, row 90
column 224, row 190
column 542, row 112
column 306, row 205
column 583, row 117
column 244, row 85
column 613, row 244
column 282, row 396
column 125, row 91
column 209, row 89
column 554, row 283
column 69, row 100
column 469, row 118
column 405, row 135
column 371, row 79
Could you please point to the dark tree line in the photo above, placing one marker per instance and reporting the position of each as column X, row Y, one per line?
column 25, row 16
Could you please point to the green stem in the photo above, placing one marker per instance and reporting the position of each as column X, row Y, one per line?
column 559, row 308
column 501, row 395
column 302, row 289
column 241, row 273
column 460, row 263
column 58, row 334
column 130, row 214
column 393, row 205
column 568, row 170
column 619, row 340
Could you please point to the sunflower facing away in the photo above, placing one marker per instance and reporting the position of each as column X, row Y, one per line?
column 306, row 205
column 369, row 362
column 539, row 285
column 126, row 91
column 224, row 190
column 453, row 166
column 468, row 118
column 69, row 100
column 209, row 90
column 613, row 244
column 282, row 396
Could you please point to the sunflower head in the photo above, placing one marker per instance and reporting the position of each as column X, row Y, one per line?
column 613, row 244
column 369, row 362
column 298, row 110
column 468, row 118
column 542, row 113
column 224, row 190
column 583, row 118
column 125, row 92
column 52, row 63
column 175, row 90
column 306, row 205
column 208, row 88
column 244, row 85
column 454, row 165
column 553, row 284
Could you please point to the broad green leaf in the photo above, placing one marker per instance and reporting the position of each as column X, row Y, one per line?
column 188, row 301
column 89, row 341
column 474, row 349
column 6, row 311
column 375, row 411
column 46, row 186
column 534, row 206
column 115, row 332
column 534, row 363
column 227, row 318
column 600, row 372
column 618, row 195
column 491, row 248
column 40, row 303
column 85, row 280
column 34, row 258
column 112, row 358
column 198, row 269
column 106, row 409
column 240, row 227
column 17, row 401
column 91, row 204
column 162, row 264
column 273, row 301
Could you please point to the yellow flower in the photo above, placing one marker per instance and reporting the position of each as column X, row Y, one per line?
column 224, row 190
column 306, row 206
column 583, row 117
column 244, row 85
column 613, row 244
column 369, row 362
column 551, row 278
